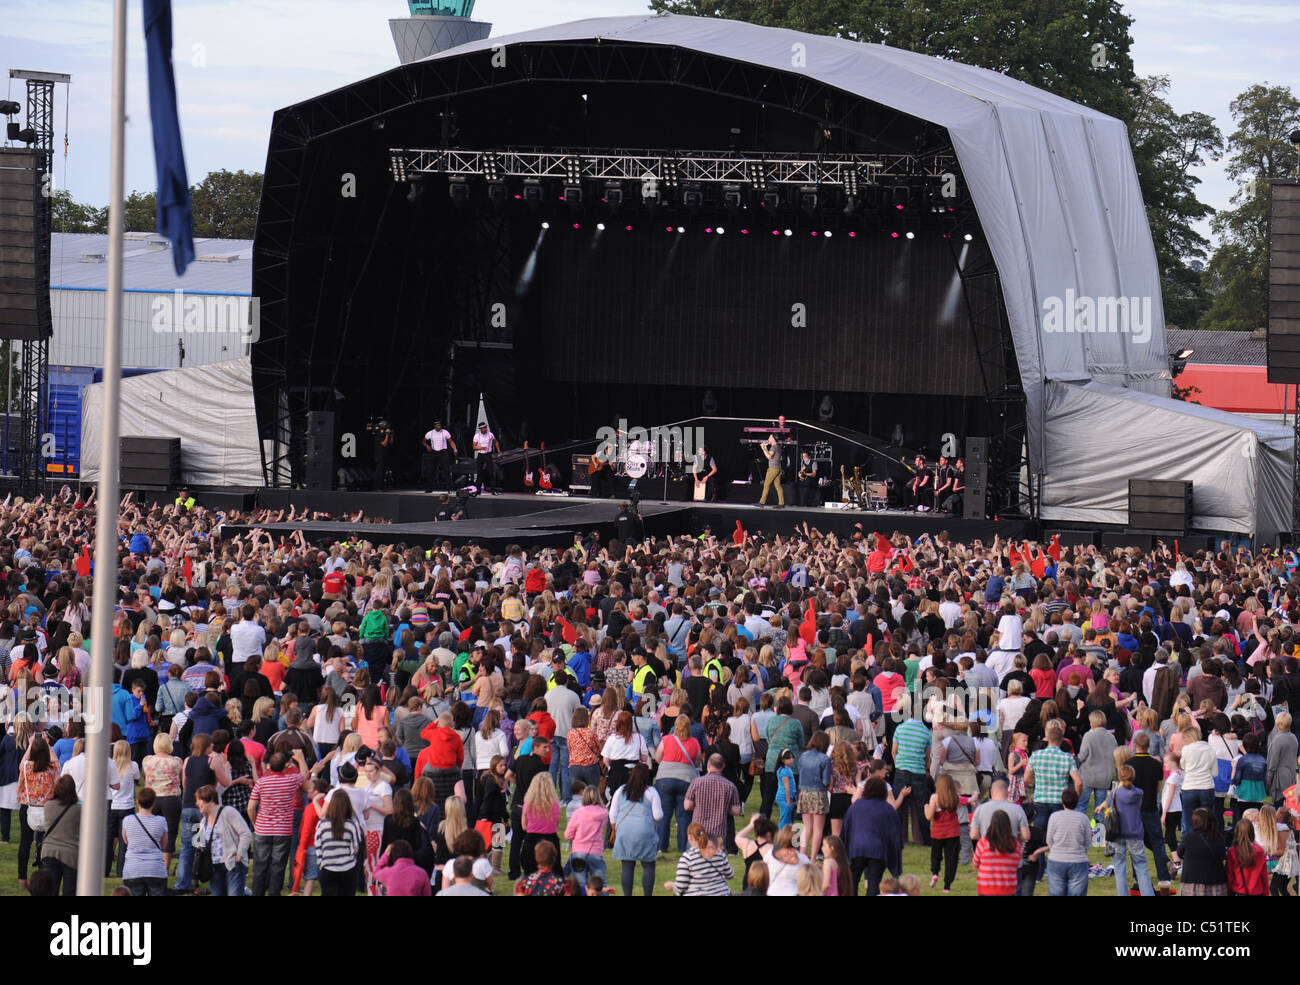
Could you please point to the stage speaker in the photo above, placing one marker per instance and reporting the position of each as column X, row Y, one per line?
column 1160, row 506
column 149, row 462
column 24, row 247
column 1283, row 332
column 320, row 449
column 977, row 478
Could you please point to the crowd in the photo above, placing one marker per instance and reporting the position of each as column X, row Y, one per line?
column 382, row 720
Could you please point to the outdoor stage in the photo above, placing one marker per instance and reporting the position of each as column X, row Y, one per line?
column 538, row 520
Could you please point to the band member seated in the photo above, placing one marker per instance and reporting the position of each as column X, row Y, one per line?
column 806, row 486
column 955, row 502
column 920, row 489
column 942, row 482
column 772, row 452
column 704, row 468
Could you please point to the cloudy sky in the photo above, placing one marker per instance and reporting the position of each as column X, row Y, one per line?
column 239, row 60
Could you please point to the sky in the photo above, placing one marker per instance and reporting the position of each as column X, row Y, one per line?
column 237, row 61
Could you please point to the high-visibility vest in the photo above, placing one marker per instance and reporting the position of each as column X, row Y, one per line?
column 639, row 678
column 187, row 503
column 713, row 670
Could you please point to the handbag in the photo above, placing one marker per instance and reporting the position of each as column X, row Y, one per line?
column 203, row 864
column 613, row 828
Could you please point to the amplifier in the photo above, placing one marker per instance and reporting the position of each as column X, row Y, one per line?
column 1160, row 506
column 579, row 479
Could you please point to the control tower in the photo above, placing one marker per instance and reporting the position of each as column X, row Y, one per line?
column 435, row 25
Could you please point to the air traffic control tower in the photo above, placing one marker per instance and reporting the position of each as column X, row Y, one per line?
column 435, row 25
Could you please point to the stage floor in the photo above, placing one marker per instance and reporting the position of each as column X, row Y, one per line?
column 540, row 520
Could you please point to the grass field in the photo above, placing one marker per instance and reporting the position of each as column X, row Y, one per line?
column 916, row 860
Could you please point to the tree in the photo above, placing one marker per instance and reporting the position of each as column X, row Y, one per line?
column 1259, row 149
column 1166, row 146
column 141, row 213
column 71, row 216
column 225, row 204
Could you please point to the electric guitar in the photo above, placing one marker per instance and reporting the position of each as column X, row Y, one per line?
column 528, row 467
column 844, row 486
column 857, row 485
column 544, row 474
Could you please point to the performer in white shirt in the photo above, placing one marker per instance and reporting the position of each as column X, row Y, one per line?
column 485, row 445
column 437, row 442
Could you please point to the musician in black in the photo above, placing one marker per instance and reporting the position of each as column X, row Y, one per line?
column 920, row 490
column 704, row 468
column 384, row 442
column 955, row 501
column 942, row 482
column 806, row 483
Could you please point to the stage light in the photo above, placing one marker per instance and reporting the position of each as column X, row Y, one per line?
column 546, row 225
column 744, row 232
column 968, row 237
column 899, row 207
column 8, row 107
column 1184, row 354
column 613, row 194
column 731, row 196
column 789, row 232
column 721, row 230
column 813, row 233
column 708, row 229
column 668, row 229
column 808, row 198
column 772, row 200
column 852, row 234
column 577, row 225
column 693, row 197
column 681, row 229
column 911, row 235
column 532, row 192
column 573, row 194
column 458, row 190
column 497, row 193
column 827, row 234
column 893, row 235
column 628, row 228
column 600, row 226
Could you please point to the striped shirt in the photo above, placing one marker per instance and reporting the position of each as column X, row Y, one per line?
column 700, row 876
column 338, row 854
column 1051, row 767
column 276, row 795
column 712, row 797
column 913, row 741
column 995, row 872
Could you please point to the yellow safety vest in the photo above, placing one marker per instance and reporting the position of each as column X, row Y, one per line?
column 639, row 678
column 188, row 503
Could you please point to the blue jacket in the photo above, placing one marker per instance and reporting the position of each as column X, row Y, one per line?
column 137, row 724
column 205, row 716
column 122, row 702
column 580, row 664
column 872, row 830
column 139, row 544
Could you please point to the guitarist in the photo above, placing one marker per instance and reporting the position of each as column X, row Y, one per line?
column 806, row 485
column 704, row 469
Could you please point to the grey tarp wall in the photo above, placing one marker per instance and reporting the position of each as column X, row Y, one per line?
column 1053, row 183
column 210, row 408
column 1099, row 436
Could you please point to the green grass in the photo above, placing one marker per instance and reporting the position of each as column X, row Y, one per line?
column 916, row 860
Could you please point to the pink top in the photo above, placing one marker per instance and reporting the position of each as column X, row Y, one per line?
column 673, row 751
column 403, row 878
column 586, row 829
column 369, row 727
column 535, row 824
column 832, row 886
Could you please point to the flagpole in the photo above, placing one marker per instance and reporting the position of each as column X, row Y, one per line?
column 94, row 811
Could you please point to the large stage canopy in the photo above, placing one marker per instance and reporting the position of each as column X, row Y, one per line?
column 1053, row 185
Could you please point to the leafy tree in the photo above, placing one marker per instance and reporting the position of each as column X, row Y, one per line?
column 225, row 204
column 141, row 212
column 71, row 216
column 1259, row 149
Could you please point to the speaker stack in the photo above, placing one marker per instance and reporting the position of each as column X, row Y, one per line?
column 1283, row 332
column 320, row 449
column 977, row 478
column 1159, row 506
column 149, row 463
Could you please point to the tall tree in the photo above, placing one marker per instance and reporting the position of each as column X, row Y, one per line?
column 225, row 204
column 71, row 216
column 1166, row 146
column 1258, row 149
column 141, row 213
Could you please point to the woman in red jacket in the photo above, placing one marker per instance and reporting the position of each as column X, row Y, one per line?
column 1247, row 863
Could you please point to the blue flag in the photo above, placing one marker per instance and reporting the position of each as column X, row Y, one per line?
column 175, row 220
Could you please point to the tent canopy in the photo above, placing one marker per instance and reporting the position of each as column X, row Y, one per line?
column 1099, row 437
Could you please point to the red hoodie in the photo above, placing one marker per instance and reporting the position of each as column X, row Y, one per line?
column 878, row 560
column 445, row 751
column 738, row 536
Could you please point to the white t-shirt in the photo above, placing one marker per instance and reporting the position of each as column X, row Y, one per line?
column 483, row 441
column 438, row 439
column 124, row 798
column 1009, row 633
column 76, row 768
column 375, row 794
column 247, row 639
